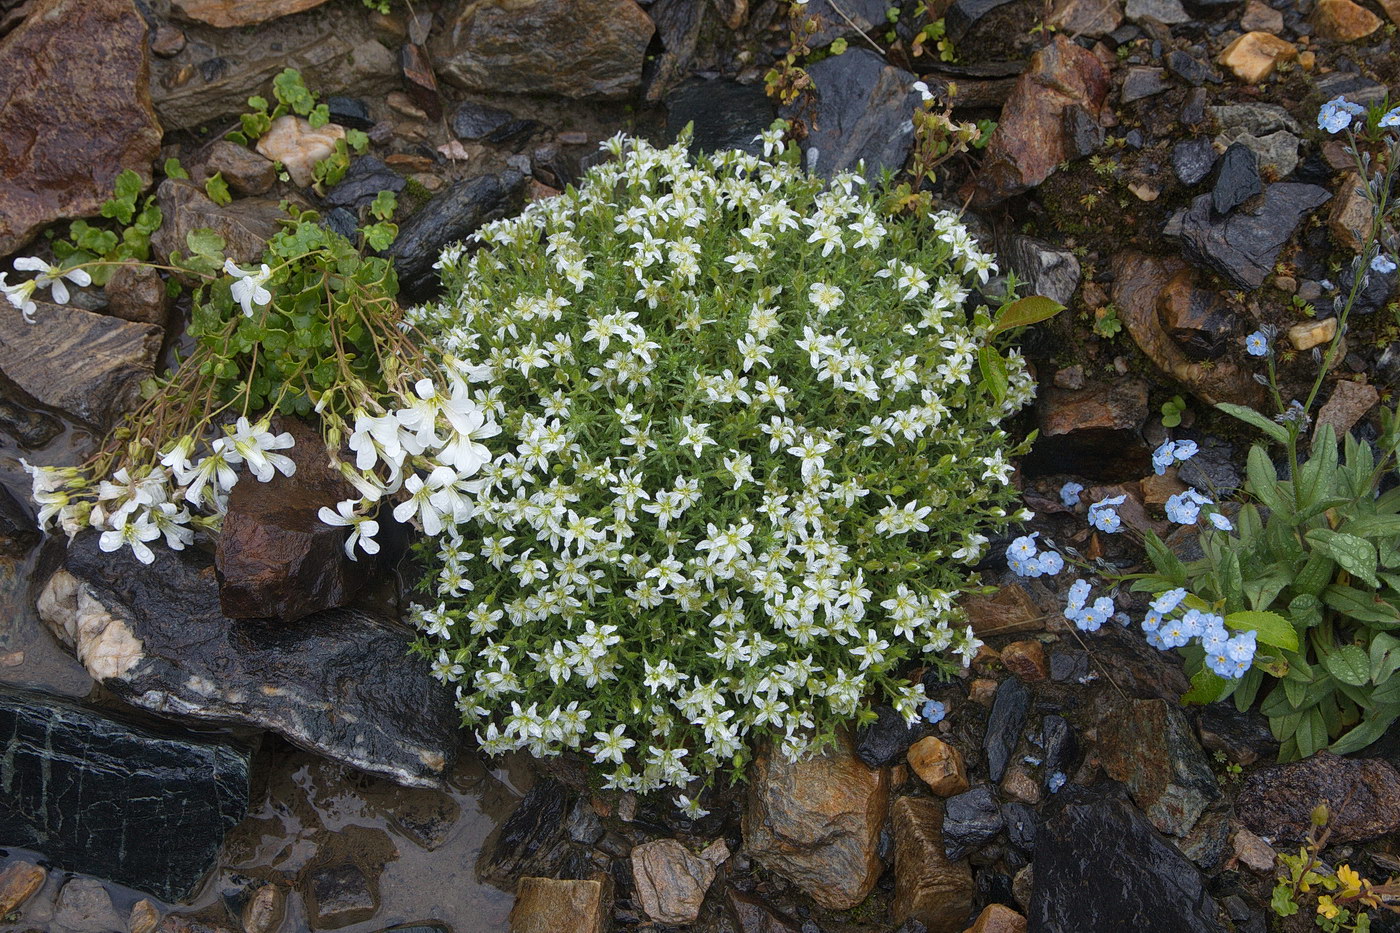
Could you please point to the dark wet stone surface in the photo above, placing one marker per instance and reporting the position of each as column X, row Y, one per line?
column 1099, row 865
column 366, row 177
column 887, row 738
column 450, row 217
column 1022, row 822
column 141, row 806
column 1236, row 179
column 340, row 682
column 970, row 820
column 473, row 121
column 862, row 111
column 532, row 841
column 1192, row 160
column 725, row 114
column 1362, row 794
column 1004, row 725
column 1244, row 245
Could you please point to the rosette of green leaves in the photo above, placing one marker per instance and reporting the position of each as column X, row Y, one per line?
column 101, row 246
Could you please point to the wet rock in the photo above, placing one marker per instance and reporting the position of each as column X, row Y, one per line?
column 246, row 172
column 1154, row 887
column 680, row 26
column 339, row 895
column 532, row 839
column 724, row 114
column 1276, row 146
column 1059, row 745
column 1236, row 179
column 349, row 112
column 939, row 765
column 929, row 887
column 1243, row 737
column 862, row 110
column 970, row 820
column 1254, row 56
column 543, row 905
column 97, row 795
column 167, row 41
column 1149, row 746
column 88, row 365
column 472, row 120
column 1362, row 795
column 229, row 13
column 84, row 906
column 1069, row 666
column 583, row 825
column 1260, row 17
column 294, row 142
column 1046, row 270
column 1140, row 287
column 998, row 918
column 854, row 17
column 1020, row 785
column 671, row 882
column 1197, row 319
column 1025, row 659
column 137, row 293
column 1142, row 82
column 1244, row 245
column 1004, row 725
column 1343, row 20
column 1008, row 611
column 18, row 883
column 450, row 217
column 333, row 46
column 265, row 909
column 1193, row 160
column 962, row 15
column 74, row 120
column 1375, row 291
column 886, row 739
column 1253, row 852
column 817, row 822
column 1051, row 116
column 1209, row 840
column 1349, row 402
column 1167, row 12
column 1308, row 334
column 366, row 177
column 1079, row 429
column 1086, row 17
column 1356, row 88
column 245, row 225
column 1021, row 824
column 539, row 48
column 338, row 683
column 276, row 559
column 752, row 915
column 420, row 80
column 1190, row 69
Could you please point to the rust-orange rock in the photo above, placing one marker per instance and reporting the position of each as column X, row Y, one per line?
column 227, row 13
column 928, row 886
column 76, row 109
column 1254, row 56
column 939, row 765
column 1344, row 20
column 1026, row 659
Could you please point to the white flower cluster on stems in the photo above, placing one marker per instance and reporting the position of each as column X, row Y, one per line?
column 745, row 455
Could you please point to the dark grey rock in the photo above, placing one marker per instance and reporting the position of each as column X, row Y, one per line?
column 341, row 221
column 366, row 177
column 1084, row 134
column 970, row 820
column 1190, row 69
column 1149, row 746
column 1362, row 795
column 1212, row 471
column 887, row 738
column 450, row 217
column 339, row 683
column 1021, row 824
column 1375, row 291
column 1192, row 160
column 724, row 114
column 1141, row 82
column 339, row 895
column 533, row 839
column 1093, row 834
column 1167, row 12
column 473, row 121
column 861, row 16
column 1046, row 270
column 1209, row 840
column 1236, row 179
column 1243, row 737
column 1352, row 86
column 583, row 825
column 1070, row 666
column 144, row 807
column 863, row 110
column 1193, row 109
column 1004, row 725
column 1244, row 245
column 1059, row 745
column 964, row 14
column 349, row 111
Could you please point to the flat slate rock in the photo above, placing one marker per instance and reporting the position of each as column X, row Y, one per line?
column 339, row 683
column 450, row 217
column 1244, row 245
column 863, row 110
column 143, row 807
column 723, row 114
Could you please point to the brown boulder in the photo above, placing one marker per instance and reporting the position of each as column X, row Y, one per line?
column 137, row 293
column 1051, row 116
column 1344, row 20
column 928, row 886
column 816, row 822
column 246, row 172
column 1094, row 430
column 1349, row 401
column 1197, row 319
column 939, row 765
column 246, row 225
column 76, row 108
column 1150, row 747
column 18, row 883
column 1141, row 283
column 543, row 905
column 1086, row 17
column 229, row 13
column 566, row 48
column 1362, row 795
column 998, row 918
column 1026, row 659
column 1008, row 611
column 671, row 881
column 1351, row 214
column 275, row 557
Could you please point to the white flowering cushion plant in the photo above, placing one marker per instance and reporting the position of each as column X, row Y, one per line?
column 750, row 446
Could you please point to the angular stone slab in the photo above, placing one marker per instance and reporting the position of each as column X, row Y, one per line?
column 339, row 683
column 141, row 807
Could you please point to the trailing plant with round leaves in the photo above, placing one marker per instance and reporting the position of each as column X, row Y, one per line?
column 750, row 447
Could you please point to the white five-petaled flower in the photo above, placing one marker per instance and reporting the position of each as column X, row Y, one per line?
column 362, row 527
column 248, row 287
column 51, row 277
